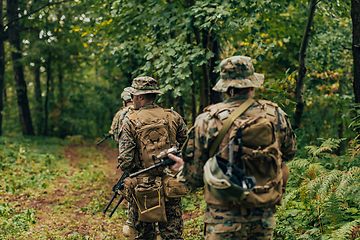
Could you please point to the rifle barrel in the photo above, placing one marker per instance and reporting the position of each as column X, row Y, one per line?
column 105, row 137
column 164, row 163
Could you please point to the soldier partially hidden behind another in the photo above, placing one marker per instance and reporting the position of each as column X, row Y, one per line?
column 146, row 132
column 233, row 211
column 120, row 115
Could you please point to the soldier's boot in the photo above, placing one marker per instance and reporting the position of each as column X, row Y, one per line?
column 129, row 231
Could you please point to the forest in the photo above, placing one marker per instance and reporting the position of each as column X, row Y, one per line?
column 65, row 63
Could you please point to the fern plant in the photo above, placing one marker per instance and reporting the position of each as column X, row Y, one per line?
column 323, row 196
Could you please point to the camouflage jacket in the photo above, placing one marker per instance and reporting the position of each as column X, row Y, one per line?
column 127, row 143
column 117, row 122
column 201, row 136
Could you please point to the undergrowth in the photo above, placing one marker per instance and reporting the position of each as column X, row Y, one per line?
column 323, row 195
column 43, row 195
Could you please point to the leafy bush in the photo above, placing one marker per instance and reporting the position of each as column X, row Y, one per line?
column 322, row 200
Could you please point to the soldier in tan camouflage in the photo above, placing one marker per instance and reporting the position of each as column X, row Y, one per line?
column 120, row 115
column 231, row 220
column 132, row 153
column 127, row 107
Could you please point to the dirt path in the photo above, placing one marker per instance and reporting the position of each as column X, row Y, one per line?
column 71, row 206
column 74, row 208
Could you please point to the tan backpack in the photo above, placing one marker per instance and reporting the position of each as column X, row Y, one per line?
column 154, row 134
column 260, row 150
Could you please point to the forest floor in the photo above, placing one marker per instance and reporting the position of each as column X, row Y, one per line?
column 71, row 206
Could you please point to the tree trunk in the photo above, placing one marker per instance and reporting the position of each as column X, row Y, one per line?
column 21, row 90
column 193, row 88
column 180, row 106
column 355, row 15
column 205, row 83
column 302, row 68
column 61, row 97
column 190, row 3
column 215, row 96
column 38, row 98
column 2, row 65
column 46, row 105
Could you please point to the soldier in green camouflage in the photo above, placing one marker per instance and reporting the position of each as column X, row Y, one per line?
column 231, row 220
column 131, row 153
column 120, row 115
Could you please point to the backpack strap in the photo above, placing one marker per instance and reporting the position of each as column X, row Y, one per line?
column 228, row 122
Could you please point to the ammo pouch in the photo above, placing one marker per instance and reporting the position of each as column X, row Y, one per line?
column 150, row 200
column 173, row 188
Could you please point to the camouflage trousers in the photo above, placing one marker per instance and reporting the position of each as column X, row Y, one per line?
column 172, row 229
column 256, row 230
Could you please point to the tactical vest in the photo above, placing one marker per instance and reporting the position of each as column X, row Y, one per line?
column 155, row 131
column 260, row 151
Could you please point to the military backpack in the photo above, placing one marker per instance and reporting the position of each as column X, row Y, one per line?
column 259, row 152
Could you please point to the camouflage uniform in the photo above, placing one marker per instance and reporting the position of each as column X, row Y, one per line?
column 127, row 151
column 119, row 116
column 231, row 221
column 117, row 122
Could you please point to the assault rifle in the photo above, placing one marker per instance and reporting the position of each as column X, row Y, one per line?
column 105, row 137
column 164, row 161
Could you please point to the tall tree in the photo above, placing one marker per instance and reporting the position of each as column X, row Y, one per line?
column 302, row 68
column 48, row 83
column 355, row 15
column 21, row 89
column 215, row 97
column 2, row 64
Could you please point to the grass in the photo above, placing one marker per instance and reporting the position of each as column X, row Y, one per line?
column 53, row 189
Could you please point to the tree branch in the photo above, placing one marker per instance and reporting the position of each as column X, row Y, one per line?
column 35, row 11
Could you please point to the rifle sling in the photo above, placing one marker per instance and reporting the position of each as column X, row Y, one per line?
column 228, row 122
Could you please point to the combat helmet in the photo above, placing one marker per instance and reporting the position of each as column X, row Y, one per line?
column 125, row 95
column 237, row 72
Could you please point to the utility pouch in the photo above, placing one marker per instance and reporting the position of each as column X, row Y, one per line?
column 128, row 188
column 173, row 188
column 259, row 133
column 150, row 200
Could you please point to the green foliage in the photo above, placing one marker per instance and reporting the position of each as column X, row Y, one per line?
column 194, row 207
column 88, row 51
column 322, row 199
column 194, row 229
column 13, row 224
column 23, row 166
column 45, row 196
column 327, row 145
